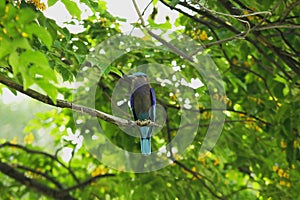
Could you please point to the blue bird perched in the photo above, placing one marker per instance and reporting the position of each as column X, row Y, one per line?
column 143, row 106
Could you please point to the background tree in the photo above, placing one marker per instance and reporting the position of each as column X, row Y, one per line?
column 256, row 48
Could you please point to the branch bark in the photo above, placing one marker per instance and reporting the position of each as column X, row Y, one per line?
column 75, row 107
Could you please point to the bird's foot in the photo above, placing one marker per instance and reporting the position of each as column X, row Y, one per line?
column 143, row 123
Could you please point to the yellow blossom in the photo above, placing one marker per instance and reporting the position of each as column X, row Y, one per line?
column 279, row 104
column 251, row 17
column 288, row 184
column 283, row 144
column 293, row 166
column 295, row 144
column 174, row 133
column 203, row 36
column 216, row 96
column 6, row 9
column 4, row 30
column 38, row 4
column 283, row 183
column 259, row 101
column 28, row 139
column 280, row 172
column 194, row 169
column 229, row 103
column 14, row 140
column 216, row 162
column 234, row 61
column 100, row 170
column 202, row 159
column 286, row 175
column 25, row 35
column 246, row 64
column 258, row 129
column 275, row 168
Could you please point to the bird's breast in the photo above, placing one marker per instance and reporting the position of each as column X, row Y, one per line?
column 142, row 102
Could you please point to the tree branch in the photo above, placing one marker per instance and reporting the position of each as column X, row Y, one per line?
column 52, row 157
column 75, row 107
column 45, row 175
column 33, row 184
column 88, row 182
column 61, row 193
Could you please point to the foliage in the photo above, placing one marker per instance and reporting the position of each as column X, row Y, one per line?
column 256, row 48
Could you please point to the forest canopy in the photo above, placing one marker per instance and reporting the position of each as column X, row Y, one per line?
column 226, row 76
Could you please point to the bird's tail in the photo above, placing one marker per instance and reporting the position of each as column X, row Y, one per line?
column 146, row 146
column 145, row 140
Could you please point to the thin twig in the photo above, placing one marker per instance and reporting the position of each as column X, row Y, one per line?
column 87, row 182
column 171, row 47
column 45, row 175
column 52, row 157
column 288, row 9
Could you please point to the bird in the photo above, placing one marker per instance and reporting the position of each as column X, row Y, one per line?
column 143, row 107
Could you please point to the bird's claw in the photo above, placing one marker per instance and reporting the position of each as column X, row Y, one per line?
column 143, row 123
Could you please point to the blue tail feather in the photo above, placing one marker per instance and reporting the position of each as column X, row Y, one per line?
column 146, row 146
column 145, row 140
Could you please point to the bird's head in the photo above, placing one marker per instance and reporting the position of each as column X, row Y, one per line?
column 138, row 79
column 137, row 74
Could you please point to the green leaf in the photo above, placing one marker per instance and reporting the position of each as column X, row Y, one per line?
column 46, row 73
column 2, row 8
column 174, row 2
column 116, row 71
column 166, row 25
column 11, row 11
column 51, row 2
column 245, row 50
column 102, row 6
column 27, row 80
column 21, row 43
column 40, row 32
column 50, row 90
column 35, row 57
column 12, row 91
column 66, row 74
column 14, row 61
column 6, row 47
column 72, row 8
column 154, row 2
column 38, row 64
column 278, row 90
column 26, row 16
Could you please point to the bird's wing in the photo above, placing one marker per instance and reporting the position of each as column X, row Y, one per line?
column 132, row 107
column 153, row 105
